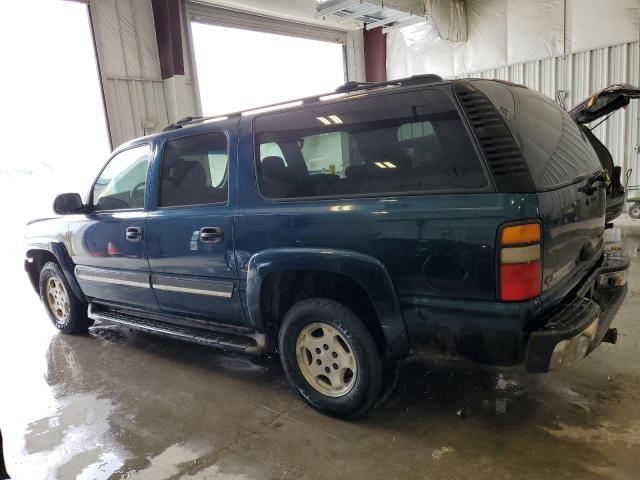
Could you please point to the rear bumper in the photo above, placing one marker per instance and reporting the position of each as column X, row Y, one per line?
column 575, row 329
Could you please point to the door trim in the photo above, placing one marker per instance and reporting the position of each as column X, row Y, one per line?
column 115, row 277
column 195, row 286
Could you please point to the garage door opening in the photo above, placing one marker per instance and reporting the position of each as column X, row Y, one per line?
column 242, row 69
column 53, row 119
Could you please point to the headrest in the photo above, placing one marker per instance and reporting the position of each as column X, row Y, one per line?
column 187, row 172
column 273, row 163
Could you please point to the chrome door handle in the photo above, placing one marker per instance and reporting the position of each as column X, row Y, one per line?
column 134, row 234
column 211, row 234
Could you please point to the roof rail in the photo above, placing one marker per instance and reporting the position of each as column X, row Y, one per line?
column 413, row 80
column 350, row 86
column 346, row 88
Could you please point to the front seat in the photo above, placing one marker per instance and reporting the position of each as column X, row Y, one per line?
column 186, row 184
column 276, row 180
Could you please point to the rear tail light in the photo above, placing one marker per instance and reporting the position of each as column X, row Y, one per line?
column 519, row 262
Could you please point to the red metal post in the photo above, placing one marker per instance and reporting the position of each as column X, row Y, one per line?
column 375, row 55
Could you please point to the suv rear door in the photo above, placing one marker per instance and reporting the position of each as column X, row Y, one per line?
column 190, row 227
column 603, row 103
column 599, row 107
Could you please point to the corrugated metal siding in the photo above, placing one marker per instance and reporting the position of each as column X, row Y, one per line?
column 136, row 107
column 580, row 75
column 128, row 54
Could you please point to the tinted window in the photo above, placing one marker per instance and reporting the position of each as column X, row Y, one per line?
column 194, row 170
column 394, row 143
column 556, row 151
column 122, row 183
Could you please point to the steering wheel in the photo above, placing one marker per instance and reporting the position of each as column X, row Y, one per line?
column 133, row 194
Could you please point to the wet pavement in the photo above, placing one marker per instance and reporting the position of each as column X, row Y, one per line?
column 119, row 404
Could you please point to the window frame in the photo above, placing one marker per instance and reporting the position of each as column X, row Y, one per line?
column 89, row 202
column 160, row 207
column 488, row 187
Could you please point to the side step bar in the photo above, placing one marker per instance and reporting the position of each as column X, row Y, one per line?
column 254, row 343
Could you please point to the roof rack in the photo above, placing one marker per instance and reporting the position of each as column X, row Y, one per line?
column 343, row 89
column 404, row 82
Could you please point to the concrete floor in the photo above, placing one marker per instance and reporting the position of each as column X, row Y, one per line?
column 116, row 404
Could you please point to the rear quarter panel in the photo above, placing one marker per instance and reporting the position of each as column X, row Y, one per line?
column 437, row 245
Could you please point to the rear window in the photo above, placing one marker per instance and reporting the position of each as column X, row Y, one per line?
column 395, row 143
column 555, row 149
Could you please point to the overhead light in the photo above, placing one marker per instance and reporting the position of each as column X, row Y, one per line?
column 390, row 164
column 380, row 165
column 328, row 120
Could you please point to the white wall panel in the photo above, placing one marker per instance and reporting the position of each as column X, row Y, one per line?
column 487, row 36
column 354, row 49
column 534, row 29
column 416, row 50
column 505, row 32
column 597, row 23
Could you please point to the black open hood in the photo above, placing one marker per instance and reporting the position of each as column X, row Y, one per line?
column 604, row 102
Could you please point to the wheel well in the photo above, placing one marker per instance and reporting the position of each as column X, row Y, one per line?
column 281, row 290
column 38, row 259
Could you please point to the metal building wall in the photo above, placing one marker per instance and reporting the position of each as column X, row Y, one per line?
column 137, row 100
column 580, row 75
column 129, row 66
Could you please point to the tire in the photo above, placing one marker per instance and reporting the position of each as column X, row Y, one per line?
column 391, row 374
column 634, row 211
column 67, row 313
column 321, row 330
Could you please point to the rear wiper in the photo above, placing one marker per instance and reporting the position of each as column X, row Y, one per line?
column 596, row 181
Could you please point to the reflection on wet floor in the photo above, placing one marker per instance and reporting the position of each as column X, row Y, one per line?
column 120, row 404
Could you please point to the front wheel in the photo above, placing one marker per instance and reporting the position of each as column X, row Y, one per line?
column 634, row 211
column 67, row 313
column 331, row 358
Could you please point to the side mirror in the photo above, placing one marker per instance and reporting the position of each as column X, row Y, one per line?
column 67, row 203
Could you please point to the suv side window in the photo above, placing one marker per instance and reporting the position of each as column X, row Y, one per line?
column 393, row 143
column 121, row 183
column 194, row 170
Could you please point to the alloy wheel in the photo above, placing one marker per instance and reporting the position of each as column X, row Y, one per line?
column 326, row 359
column 58, row 300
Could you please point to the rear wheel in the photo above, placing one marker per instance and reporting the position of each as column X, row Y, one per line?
column 67, row 313
column 634, row 211
column 331, row 358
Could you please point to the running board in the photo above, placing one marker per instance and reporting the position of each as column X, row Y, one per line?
column 254, row 343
